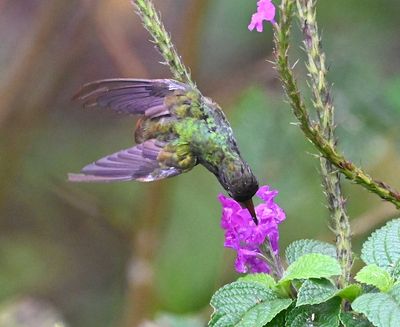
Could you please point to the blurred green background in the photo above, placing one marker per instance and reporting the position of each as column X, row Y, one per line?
column 122, row 254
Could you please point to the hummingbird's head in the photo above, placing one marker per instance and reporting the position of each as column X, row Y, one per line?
column 244, row 189
column 239, row 181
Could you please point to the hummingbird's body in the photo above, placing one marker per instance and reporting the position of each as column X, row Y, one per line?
column 178, row 129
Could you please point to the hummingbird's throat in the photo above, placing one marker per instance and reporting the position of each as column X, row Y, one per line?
column 249, row 205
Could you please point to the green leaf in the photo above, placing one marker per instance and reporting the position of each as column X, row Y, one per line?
column 245, row 304
column 375, row 276
column 313, row 265
column 240, row 297
column 396, row 271
column 350, row 292
column 263, row 313
column 383, row 246
column 263, row 279
column 321, row 315
column 280, row 318
column 301, row 247
column 349, row 319
column 382, row 309
column 215, row 317
column 223, row 320
column 315, row 291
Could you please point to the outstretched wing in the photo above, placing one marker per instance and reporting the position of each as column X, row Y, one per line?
column 146, row 162
column 130, row 96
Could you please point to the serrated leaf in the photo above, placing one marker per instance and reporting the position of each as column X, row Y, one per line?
column 240, row 297
column 383, row 246
column 263, row 313
column 350, row 292
column 315, row 291
column 214, row 319
column 375, row 276
column 395, row 293
column 280, row 318
column 396, row 271
column 245, row 304
column 320, row 315
column 263, row 279
column 368, row 288
column 301, row 247
column 313, row 265
column 382, row 309
column 223, row 321
column 349, row 319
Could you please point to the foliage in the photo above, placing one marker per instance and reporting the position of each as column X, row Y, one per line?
column 302, row 247
column 310, row 284
column 375, row 276
column 383, row 247
column 312, row 265
column 246, row 304
column 315, row 291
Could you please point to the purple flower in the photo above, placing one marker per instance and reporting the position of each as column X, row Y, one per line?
column 265, row 11
column 247, row 238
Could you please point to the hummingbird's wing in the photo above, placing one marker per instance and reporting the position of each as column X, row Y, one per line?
column 149, row 161
column 130, row 96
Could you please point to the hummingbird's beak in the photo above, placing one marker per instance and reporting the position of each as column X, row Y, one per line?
column 249, row 205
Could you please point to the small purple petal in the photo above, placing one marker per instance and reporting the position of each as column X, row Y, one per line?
column 258, row 266
column 266, row 194
column 265, row 11
column 249, row 261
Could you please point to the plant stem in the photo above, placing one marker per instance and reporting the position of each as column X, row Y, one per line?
column 273, row 260
column 152, row 22
column 312, row 130
column 322, row 101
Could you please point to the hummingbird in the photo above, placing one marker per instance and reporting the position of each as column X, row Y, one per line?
column 177, row 129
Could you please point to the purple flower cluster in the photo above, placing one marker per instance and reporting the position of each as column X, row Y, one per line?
column 265, row 11
column 247, row 238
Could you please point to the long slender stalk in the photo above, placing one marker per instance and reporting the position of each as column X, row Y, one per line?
column 312, row 130
column 152, row 22
column 322, row 101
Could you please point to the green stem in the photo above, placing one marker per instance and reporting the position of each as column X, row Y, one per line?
column 322, row 101
column 152, row 22
column 311, row 130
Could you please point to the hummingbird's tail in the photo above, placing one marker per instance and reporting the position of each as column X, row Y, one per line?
column 137, row 163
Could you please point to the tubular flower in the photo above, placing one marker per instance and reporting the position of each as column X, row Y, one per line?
column 265, row 11
column 247, row 238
